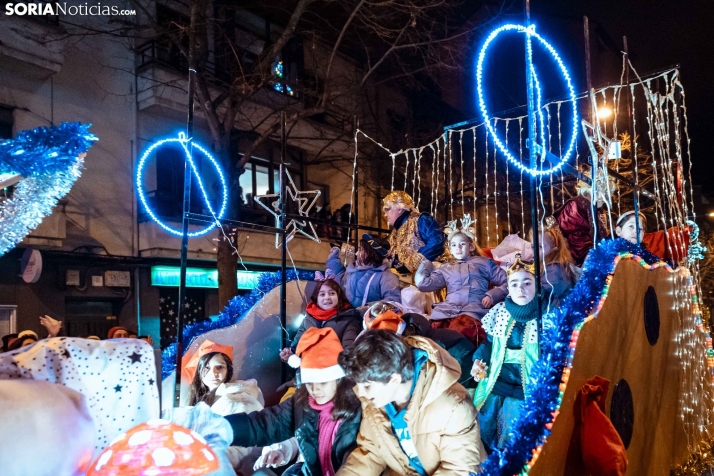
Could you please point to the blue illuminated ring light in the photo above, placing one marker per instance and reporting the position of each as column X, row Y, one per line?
column 184, row 143
column 571, row 94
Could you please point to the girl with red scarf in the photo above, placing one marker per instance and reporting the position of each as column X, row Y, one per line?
column 324, row 415
column 328, row 307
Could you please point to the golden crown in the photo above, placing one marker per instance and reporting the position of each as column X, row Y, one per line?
column 519, row 265
column 400, row 198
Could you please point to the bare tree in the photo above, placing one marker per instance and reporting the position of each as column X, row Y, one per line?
column 389, row 43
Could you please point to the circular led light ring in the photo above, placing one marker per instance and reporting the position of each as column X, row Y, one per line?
column 484, row 111
column 539, row 111
column 183, row 142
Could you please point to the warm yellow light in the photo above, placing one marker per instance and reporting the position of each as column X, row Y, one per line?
column 711, row 214
column 604, row 113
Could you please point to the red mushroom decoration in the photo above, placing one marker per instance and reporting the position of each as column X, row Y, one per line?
column 157, row 447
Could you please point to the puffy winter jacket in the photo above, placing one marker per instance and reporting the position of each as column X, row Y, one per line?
column 289, row 419
column 466, row 282
column 347, row 324
column 442, row 422
column 243, row 396
column 383, row 284
column 458, row 346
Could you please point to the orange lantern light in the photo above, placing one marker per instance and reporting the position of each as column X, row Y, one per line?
column 157, row 447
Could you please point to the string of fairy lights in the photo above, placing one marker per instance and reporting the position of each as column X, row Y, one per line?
column 659, row 164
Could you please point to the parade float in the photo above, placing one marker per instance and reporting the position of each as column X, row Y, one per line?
column 634, row 318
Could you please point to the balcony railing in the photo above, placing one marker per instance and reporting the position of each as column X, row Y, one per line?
column 164, row 53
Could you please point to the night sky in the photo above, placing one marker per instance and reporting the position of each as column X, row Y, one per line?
column 660, row 34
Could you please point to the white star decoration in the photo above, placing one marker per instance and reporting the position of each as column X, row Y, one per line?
column 304, row 206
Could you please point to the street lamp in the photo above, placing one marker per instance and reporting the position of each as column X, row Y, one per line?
column 604, row 113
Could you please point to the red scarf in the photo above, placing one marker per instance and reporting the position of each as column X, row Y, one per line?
column 320, row 314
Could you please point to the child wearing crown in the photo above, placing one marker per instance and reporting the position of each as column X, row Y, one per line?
column 503, row 363
column 467, row 278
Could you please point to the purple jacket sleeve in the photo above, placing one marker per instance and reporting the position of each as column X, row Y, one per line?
column 500, row 281
column 335, row 264
column 427, row 280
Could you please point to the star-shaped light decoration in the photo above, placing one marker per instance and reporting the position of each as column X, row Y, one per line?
column 305, row 204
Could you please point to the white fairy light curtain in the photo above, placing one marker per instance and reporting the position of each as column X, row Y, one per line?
column 463, row 172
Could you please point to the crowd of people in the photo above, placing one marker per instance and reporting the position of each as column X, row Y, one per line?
column 413, row 357
column 54, row 328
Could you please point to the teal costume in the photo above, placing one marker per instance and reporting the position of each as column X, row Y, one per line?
column 510, row 352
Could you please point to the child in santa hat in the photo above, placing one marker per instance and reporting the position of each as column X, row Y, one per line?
column 324, row 415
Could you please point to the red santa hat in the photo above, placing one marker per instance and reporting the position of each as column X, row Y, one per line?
column 189, row 362
column 316, row 355
column 113, row 330
column 389, row 321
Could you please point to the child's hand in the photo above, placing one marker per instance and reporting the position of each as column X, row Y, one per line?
column 487, row 302
column 53, row 326
column 348, row 251
column 272, row 457
column 478, row 370
column 285, row 354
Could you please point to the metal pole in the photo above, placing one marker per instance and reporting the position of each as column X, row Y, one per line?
column 591, row 97
column 184, row 237
column 355, row 125
column 533, row 162
column 283, row 248
column 633, row 152
column 588, row 66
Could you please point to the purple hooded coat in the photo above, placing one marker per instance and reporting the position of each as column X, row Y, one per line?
column 466, row 282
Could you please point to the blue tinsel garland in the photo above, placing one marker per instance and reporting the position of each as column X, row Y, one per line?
column 45, row 150
column 236, row 309
column 48, row 160
column 542, row 397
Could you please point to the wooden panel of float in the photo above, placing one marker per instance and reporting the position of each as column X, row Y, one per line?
column 614, row 346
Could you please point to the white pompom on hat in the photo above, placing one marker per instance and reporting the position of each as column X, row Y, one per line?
column 28, row 333
column 316, row 355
